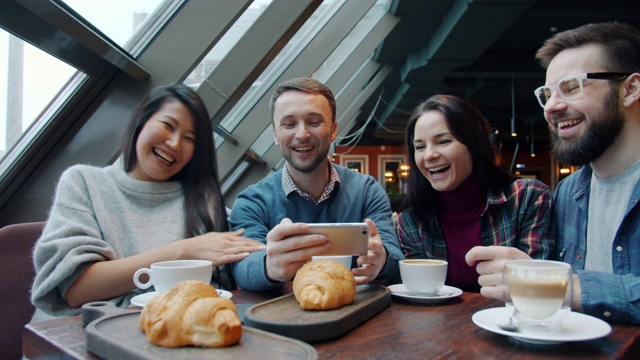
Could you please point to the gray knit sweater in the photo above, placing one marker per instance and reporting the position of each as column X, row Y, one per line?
column 100, row 214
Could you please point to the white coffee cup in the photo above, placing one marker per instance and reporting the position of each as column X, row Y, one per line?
column 344, row 260
column 164, row 274
column 423, row 275
column 541, row 292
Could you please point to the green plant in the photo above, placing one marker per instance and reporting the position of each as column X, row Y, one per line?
column 396, row 196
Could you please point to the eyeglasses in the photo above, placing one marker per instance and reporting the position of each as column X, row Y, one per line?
column 571, row 87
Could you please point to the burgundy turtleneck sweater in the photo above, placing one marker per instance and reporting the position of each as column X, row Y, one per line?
column 459, row 213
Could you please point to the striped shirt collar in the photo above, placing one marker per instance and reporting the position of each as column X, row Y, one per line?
column 288, row 186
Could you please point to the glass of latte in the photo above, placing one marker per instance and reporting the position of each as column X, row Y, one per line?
column 539, row 292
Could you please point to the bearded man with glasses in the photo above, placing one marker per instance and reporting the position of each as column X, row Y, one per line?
column 591, row 102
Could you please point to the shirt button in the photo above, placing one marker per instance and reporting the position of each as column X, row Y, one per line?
column 579, row 256
column 633, row 201
column 607, row 314
column 619, row 248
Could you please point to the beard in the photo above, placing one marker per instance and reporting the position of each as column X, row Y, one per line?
column 308, row 168
column 602, row 130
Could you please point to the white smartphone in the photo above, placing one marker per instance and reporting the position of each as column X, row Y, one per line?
column 347, row 238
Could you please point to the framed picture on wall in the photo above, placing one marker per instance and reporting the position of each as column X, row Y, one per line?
column 358, row 163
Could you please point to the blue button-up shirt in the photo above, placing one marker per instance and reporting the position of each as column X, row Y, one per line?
column 609, row 296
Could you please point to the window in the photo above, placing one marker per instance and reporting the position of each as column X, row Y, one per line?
column 52, row 69
column 347, row 46
column 271, row 74
column 230, row 38
column 117, row 19
column 32, row 79
column 359, row 163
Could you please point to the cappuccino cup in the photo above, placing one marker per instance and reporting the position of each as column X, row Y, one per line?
column 164, row 274
column 344, row 260
column 539, row 293
column 423, row 275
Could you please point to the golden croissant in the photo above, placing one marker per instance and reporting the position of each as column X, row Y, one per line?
column 191, row 313
column 324, row 285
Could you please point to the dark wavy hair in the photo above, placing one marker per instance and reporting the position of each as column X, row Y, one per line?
column 307, row 85
column 620, row 41
column 204, row 207
column 468, row 126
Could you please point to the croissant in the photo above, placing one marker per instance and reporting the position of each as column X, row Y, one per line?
column 191, row 313
column 324, row 285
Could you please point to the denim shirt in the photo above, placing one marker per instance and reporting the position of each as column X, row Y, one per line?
column 609, row 296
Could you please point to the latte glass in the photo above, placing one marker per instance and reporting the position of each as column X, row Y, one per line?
column 539, row 291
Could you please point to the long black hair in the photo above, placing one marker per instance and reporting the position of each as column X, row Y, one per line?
column 204, row 207
column 468, row 126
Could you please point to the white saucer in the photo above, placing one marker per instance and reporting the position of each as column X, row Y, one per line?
column 447, row 292
column 142, row 299
column 576, row 327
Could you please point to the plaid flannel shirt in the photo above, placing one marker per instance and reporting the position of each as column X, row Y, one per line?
column 518, row 217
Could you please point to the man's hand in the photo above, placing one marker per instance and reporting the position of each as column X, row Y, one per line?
column 288, row 249
column 373, row 262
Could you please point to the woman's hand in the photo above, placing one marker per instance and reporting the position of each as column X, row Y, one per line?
column 220, row 247
column 489, row 261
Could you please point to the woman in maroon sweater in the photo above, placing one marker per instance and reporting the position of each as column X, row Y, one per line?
column 459, row 197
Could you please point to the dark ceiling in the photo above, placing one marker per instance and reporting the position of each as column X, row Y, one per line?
column 482, row 50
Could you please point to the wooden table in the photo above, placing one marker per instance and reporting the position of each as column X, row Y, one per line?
column 403, row 330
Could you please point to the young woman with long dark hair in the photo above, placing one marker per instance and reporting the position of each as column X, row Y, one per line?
column 160, row 200
column 459, row 197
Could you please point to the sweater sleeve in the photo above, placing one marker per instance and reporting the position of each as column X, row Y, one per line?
column 70, row 242
column 250, row 212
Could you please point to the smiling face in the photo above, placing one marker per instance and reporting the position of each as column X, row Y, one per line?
column 165, row 144
column 303, row 129
column 582, row 129
column 443, row 160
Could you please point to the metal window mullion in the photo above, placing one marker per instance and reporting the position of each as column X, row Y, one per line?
column 84, row 36
column 273, row 70
column 242, row 65
column 188, row 37
column 363, row 51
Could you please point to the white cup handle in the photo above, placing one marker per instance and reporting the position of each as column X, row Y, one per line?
column 139, row 284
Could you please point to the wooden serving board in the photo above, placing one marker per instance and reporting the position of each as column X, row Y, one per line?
column 117, row 335
column 284, row 316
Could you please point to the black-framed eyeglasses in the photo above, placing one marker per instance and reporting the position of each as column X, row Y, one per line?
column 571, row 87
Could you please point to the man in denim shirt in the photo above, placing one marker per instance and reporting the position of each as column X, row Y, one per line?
column 591, row 101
